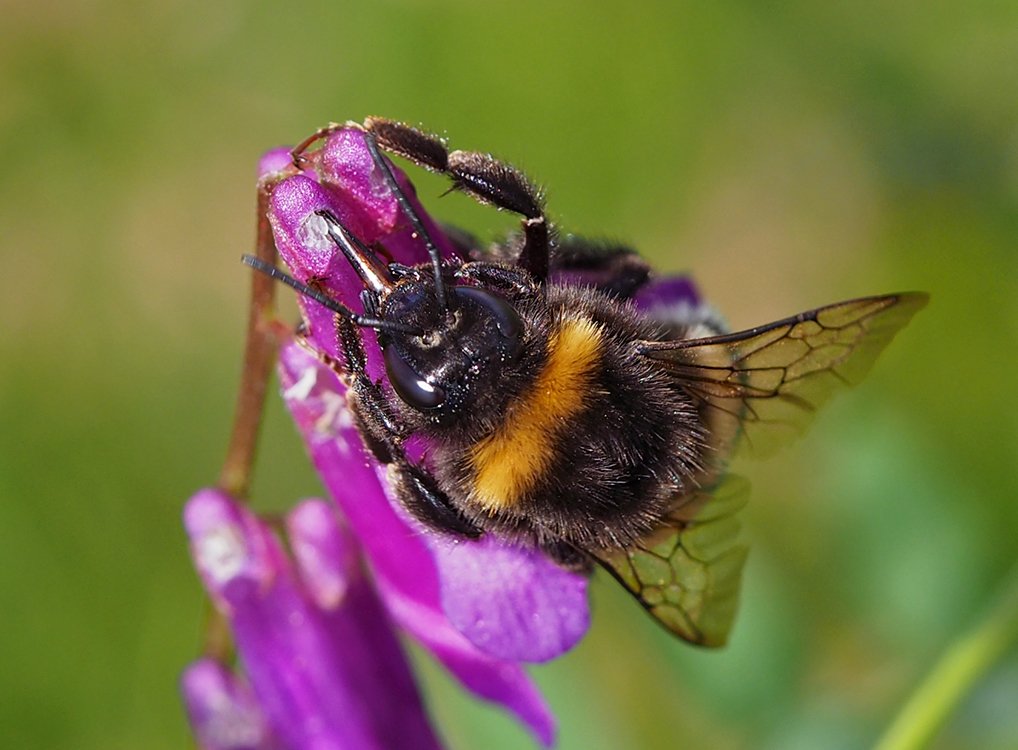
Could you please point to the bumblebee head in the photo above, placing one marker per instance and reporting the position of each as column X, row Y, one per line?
column 445, row 345
column 441, row 342
column 447, row 351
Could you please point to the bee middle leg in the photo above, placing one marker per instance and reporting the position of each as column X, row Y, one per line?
column 612, row 268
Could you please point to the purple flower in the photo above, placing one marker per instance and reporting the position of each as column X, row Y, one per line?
column 223, row 711
column 324, row 664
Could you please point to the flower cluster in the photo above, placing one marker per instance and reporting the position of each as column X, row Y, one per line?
column 315, row 629
column 323, row 662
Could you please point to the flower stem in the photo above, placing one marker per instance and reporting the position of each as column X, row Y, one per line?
column 960, row 667
column 259, row 357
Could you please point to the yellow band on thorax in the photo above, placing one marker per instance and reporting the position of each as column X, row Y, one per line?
column 509, row 461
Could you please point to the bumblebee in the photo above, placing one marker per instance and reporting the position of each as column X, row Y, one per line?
column 555, row 414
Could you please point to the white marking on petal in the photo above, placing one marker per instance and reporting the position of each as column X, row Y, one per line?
column 233, row 724
column 222, row 553
column 378, row 185
column 301, row 390
column 335, row 417
column 313, row 233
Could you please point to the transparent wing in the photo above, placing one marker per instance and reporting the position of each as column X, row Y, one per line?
column 756, row 389
column 759, row 388
column 687, row 573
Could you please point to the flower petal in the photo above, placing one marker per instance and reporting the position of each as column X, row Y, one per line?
column 676, row 301
column 223, row 713
column 326, row 555
column 274, row 160
column 512, row 602
column 308, row 682
column 345, row 165
column 667, row 292
column 325, row 552
column 352, row 189
column 405, row 571
column 495, row 680
column 235, row 556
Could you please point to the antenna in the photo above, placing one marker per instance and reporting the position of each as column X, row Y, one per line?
column 364, row 321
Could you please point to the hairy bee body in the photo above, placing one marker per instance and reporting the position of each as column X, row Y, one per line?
column 583, row 441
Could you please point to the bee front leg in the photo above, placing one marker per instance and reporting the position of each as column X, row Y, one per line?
column 383, row 435
column 421, row 496
column 479, row 175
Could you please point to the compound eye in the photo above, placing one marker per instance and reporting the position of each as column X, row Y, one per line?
column 504, row 314
column 409, row 385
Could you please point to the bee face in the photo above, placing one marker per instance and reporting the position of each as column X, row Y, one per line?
column 559, row 414
column 473, row 342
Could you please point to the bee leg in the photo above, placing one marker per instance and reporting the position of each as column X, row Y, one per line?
column 614, row 269
column 420, row 495
column 383, row 435
column 567, row 556
column 416, row 490
column 504, row 186
column 485, row 178
column 498, row 277
column 375, row 423
column 297, row 157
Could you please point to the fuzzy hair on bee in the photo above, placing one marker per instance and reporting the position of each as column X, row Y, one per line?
column 557, row 414
column 586, row 442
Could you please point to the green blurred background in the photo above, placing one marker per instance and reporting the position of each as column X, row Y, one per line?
column 789, row 153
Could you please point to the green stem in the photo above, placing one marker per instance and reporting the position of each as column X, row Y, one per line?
column 958, row 670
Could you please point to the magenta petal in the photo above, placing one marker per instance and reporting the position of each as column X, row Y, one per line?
column 304, row 245
column 274, row 160
column 234, row 554
column 676, row 301
column 302, row 238
column 310, row 685
column 350, row 187
column 357, row 625
column 325, row 552
column 498, row 681
column 404, row 569
column 292, row 671
column 346, row 167
column 512, row 602
column 221, row 709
